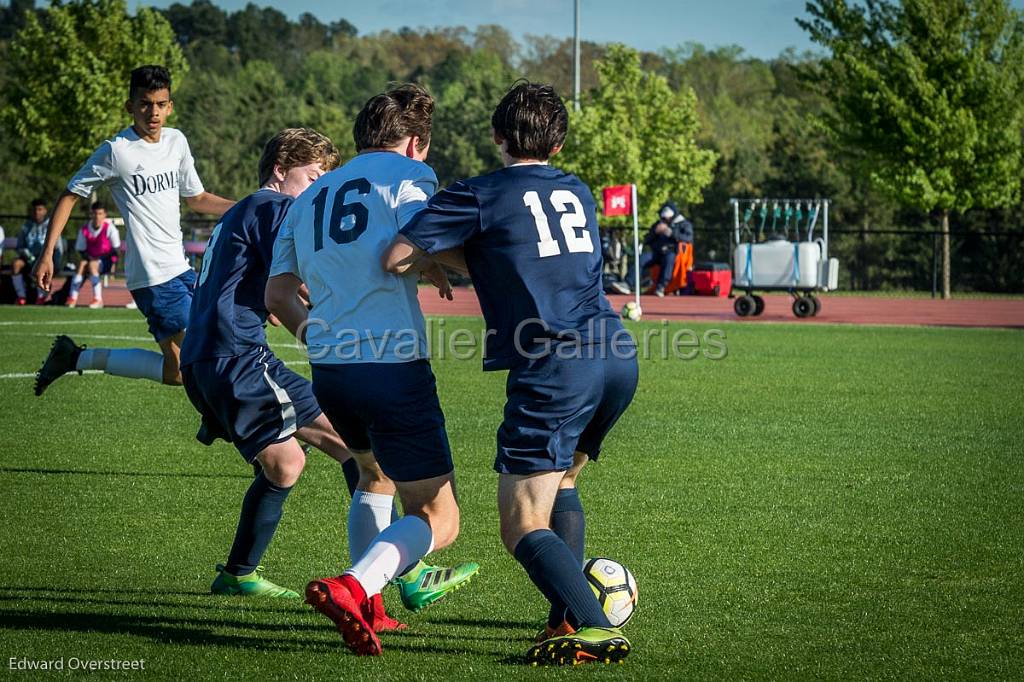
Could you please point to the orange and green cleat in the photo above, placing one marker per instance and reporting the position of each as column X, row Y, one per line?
column 548, row 632
column 588, row 645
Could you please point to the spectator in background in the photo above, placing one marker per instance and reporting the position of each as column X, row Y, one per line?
column 30, row 244
column 98, row 242
column 660, row 246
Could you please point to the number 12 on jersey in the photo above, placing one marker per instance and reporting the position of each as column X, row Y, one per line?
column 571, row 221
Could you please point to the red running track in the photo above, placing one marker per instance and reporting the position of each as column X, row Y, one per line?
column 834, row 310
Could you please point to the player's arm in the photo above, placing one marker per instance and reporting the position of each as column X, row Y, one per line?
column 210, row 203
column 401, row 256
column 42, row 273
column 438, row 232
column 454, row 259
column 283, row 301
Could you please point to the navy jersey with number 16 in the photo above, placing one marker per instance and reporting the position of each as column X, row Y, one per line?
column 533, row 250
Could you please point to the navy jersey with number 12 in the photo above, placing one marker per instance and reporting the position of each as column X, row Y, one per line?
column 532, row 246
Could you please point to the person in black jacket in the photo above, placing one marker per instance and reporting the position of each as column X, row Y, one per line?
column 662, row 243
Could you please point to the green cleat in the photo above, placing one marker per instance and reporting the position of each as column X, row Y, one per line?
column 588, row 645
column 423, row 584
column 249, row 585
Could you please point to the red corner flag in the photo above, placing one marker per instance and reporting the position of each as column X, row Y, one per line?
column 618, row 200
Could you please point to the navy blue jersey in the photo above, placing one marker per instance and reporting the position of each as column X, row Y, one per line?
column 228, row 313
column 534, row 253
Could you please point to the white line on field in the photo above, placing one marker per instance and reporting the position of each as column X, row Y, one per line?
column 28, row 323
column 31, row 375
column 87, row 335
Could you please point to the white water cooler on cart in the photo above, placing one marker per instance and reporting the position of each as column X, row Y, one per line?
column 799, row 267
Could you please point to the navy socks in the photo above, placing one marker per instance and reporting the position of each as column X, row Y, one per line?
column 261, row 512
column 568, row 523
column 351, row 469
column 558, row 575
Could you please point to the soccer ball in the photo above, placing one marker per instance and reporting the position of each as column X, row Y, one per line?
column 614, row 586
column 631, row 311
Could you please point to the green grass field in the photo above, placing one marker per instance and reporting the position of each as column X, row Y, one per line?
column 825, row 502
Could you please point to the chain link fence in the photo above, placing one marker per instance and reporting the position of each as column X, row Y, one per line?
column 869, row 259
column 899, row 259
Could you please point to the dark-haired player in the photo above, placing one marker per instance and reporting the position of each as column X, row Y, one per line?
column 532, row 247
column 368, row 351
column 148, row 167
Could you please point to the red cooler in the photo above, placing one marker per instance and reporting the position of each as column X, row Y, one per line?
column 711, row 279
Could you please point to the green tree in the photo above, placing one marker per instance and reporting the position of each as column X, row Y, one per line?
column 737, row 110
column 466, row 89
column 928, row 98
column 634, row 128
column 68, row 76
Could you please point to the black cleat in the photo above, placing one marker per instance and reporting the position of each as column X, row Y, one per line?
column 588, row 645
column 62, row 359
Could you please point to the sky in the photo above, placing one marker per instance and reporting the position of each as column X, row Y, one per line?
column 763, row 28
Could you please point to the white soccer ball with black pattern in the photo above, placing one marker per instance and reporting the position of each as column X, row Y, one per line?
column 614, row 586
column 631, row 311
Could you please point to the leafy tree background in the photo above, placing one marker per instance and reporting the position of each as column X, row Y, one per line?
column 634, row 128
column 253, row 71
column 66, row 77
column 927, row 99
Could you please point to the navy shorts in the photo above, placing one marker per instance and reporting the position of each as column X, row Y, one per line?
column 556, row 407
column 166, row 306
column 390, row 408
column 250, row 400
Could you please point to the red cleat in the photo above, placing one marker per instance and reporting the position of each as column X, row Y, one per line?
column 21, row 301
column 333, row 597
column 379, row 618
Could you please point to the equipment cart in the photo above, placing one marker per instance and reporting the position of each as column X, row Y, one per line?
column 769, row 253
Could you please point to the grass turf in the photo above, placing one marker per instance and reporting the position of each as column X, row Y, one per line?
column 828, row 502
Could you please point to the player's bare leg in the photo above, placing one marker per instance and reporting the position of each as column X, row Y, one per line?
column 171, row 348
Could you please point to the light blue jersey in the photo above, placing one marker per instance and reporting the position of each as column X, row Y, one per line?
column 333, row 238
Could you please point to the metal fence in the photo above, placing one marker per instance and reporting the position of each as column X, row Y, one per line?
column 869, row 259
column 903, row 259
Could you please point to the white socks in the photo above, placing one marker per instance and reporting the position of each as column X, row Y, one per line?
column 76, row 286
column 133, row 363
column 19, row 285
column 404, row 542
column 368, row 515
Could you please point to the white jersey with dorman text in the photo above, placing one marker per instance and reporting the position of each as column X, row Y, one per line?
column 147, row 180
